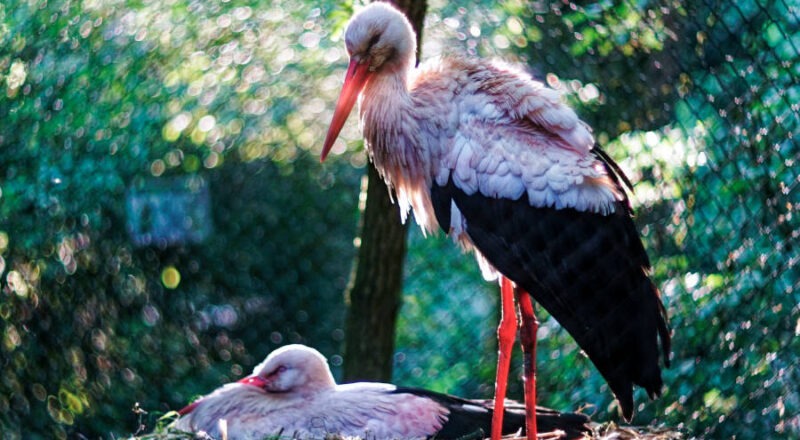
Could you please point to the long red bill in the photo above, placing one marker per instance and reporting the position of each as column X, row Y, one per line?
column 255, row 381
column 189, row 408
column 354, row 82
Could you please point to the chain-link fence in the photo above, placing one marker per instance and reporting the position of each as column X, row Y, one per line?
column 162, row 226
column 700, row 104
column 697, row 101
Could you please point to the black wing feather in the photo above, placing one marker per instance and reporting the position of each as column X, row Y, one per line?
column 473, row 419
column 612, row 168
column 588, row 270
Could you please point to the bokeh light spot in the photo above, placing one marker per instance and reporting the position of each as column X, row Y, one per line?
column 170, row 277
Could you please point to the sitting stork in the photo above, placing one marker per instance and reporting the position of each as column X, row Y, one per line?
column 293, row 394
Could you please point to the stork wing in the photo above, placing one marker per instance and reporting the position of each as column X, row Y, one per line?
column 466, row 418
column 499, row 92
column 372, row 410
column 517, row 178
column 506, row 135
column 588, row 270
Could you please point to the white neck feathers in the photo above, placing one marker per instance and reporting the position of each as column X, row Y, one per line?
column 391, row 133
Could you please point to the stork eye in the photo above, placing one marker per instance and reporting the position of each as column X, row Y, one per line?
column 277, row 371
column 373, row 41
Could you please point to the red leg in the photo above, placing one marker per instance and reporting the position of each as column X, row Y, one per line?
column 528, row 328
column 506, row 334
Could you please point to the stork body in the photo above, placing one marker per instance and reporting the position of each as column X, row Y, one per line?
column 292, row 393
column 499, row 162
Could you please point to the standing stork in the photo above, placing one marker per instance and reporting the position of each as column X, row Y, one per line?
column 501, row 164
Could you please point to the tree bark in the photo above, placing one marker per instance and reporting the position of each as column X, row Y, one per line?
column 374, row 294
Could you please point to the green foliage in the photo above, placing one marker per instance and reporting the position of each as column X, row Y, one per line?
column 99, row 97
column 697, row 101
column 445, row 337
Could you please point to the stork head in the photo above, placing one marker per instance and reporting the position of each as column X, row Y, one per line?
column 381, row 37
column 292, row 369
column 379, row 40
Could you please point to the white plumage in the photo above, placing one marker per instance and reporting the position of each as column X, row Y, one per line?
column 293, row 392
column 509, row 137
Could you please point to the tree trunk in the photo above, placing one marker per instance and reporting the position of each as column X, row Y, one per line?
column 375, row 290
column 374, row 294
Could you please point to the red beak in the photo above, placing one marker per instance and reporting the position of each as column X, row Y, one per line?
column 255, row 381
column 354, row 82
column 189, row 408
